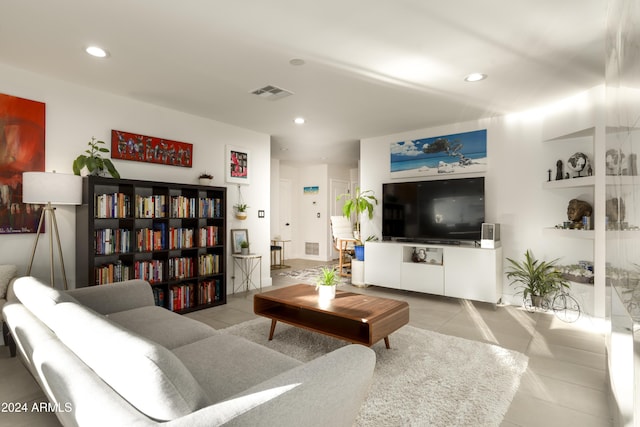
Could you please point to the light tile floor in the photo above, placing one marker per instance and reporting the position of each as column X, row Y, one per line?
column 564, row 385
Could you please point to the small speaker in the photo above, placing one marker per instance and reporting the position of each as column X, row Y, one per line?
column 490, row 236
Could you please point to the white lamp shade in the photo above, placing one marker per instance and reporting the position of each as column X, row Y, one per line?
column 57, row 188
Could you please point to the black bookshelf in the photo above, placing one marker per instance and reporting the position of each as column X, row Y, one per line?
column 172, row 235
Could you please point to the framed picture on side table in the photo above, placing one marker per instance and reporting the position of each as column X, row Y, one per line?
column 237, row 237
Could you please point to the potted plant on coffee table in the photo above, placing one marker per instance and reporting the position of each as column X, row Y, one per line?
column 536, row 279
column 326, row 284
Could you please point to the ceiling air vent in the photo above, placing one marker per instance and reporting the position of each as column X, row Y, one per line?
column 272, row 93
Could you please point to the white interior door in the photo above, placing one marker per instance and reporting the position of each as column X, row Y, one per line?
column 337, row 187
column 285, row 225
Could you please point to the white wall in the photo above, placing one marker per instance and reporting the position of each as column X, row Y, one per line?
column 74, row 114
column 518, row 161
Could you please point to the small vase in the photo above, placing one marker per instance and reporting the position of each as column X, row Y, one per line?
column 244, row 251
column 241, row 215
column 326, row 293
column 205, row 181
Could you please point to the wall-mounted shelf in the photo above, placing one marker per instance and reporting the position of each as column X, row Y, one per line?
column 586, row 181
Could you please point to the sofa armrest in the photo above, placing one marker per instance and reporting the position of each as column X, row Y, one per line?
column 327, row 391
column 115, row 297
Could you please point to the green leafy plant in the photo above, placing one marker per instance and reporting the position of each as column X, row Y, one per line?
column 535, row 277
column 244, row 244
column 328, row 277
column 360, row 202
column 241, row 207
column 93, row 160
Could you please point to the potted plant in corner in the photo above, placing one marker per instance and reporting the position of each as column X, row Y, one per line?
column 244, row 247
column 241, row 211
column 326, row 284
column 94, row 162
column 205, row 178
column 536, row 279
column 358, row 203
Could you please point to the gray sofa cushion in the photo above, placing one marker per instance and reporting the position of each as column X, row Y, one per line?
column 144, row 373
column 225, row 364
column 158, row 324
column 38, row 297
column 115, row 297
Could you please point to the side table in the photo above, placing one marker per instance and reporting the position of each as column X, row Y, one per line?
column 281, row 243
column 247, row 265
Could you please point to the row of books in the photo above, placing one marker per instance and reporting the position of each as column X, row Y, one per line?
column 115, row 205
column 151, row 240
column 151, row 271
column 209, row 264
column 112, row 241
column 151, row 206
column 180, row 238
column 210, row 291
column 118, row 205
column 181, row 267
column 113, row 272
column 181, row 297
column 209, row 235
column 158, row 296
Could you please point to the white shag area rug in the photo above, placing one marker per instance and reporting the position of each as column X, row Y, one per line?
column 425, row 379
column 310, row 275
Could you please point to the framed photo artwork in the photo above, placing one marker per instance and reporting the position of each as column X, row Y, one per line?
column 237, row 167
column 237, row 237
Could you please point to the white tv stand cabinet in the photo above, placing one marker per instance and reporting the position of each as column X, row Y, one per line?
column 458, row 271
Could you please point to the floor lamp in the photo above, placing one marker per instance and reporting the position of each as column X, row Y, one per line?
column 50, row 188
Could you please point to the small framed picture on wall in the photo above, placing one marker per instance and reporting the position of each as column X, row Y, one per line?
column 238, row 167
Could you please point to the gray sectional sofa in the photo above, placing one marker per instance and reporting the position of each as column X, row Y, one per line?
column 106, row 355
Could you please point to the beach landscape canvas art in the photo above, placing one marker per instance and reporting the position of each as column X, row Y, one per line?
column 448, row 154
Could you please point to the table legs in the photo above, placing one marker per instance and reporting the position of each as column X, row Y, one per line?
column 273, row 328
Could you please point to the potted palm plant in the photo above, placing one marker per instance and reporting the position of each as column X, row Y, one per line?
column 358, row 203
column 326, row 284
column 535, row 278
column 93, row 160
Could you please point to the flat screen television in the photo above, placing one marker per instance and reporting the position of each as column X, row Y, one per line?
column 448, row 211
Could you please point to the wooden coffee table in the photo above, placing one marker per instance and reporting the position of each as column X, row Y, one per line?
column 357, row 318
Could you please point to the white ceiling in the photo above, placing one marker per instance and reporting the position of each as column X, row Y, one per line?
column 372, row 67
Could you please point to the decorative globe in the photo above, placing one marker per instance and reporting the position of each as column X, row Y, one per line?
column 577, row 162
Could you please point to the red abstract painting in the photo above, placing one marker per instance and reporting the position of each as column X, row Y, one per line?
column 142, row 148
column 22, row 124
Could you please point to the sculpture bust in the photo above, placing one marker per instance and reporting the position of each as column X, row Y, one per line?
column 576, row 210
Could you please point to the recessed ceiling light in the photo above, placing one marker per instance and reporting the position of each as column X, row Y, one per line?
column 296, row 61
column 475, row 77
column 299, row 120
column 97, row 52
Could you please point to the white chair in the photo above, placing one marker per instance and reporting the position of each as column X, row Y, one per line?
column 343, row 241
